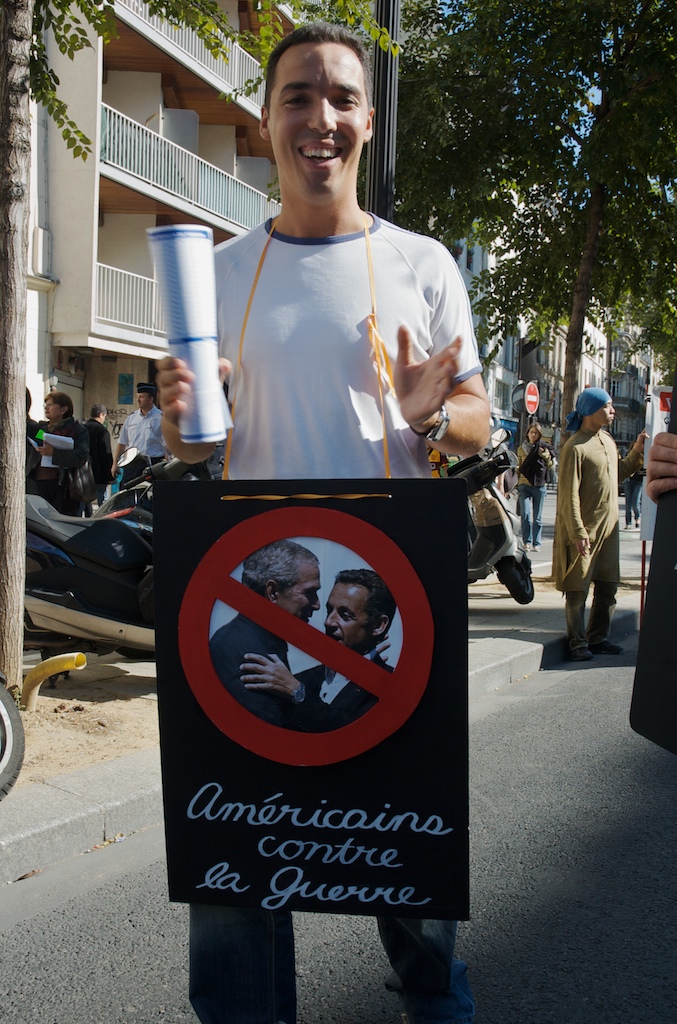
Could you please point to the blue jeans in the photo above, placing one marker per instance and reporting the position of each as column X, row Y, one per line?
column 531, row 496
column 242, row 967
column 633, row 499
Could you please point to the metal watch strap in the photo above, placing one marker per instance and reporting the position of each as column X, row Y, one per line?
column 438, row 429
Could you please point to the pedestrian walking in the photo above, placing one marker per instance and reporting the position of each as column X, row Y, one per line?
column 632, row 489
column 100, row 454
column 52, row 475
column 143, row 430
column 534, row 459
column 586, row 545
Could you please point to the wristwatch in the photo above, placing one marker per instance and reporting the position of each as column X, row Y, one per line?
column 438, row 429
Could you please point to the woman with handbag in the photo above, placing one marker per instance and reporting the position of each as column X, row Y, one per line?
column 534, row 459
column 60, row 480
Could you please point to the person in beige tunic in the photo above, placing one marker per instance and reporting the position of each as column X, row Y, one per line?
column 586, row 546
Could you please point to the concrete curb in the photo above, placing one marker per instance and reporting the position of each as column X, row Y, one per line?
column 44, row 823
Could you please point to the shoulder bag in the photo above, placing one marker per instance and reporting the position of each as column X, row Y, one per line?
column 81, row 486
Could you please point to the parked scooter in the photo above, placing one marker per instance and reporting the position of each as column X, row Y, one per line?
column 133, row 502
column 83, row 580
column 89, row 582
column 494, row 529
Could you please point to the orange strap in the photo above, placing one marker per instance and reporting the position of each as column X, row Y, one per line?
column 383, row 367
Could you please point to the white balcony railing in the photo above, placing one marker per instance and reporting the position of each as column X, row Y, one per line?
column 128, row 300
column 240, row 68
column 131, row 147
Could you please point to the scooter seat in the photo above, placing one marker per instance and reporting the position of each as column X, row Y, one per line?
column 110, row 543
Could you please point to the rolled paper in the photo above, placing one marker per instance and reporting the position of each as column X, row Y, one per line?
column 183, row 255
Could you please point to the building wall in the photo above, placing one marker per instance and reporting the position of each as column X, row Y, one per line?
column 256, row 171
column 137, row 95
column 103, row 382
column 122, row 243
column 217, row 146
column 73, row 195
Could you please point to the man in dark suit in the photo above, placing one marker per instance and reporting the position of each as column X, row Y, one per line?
column 360, row 609
column 286, row 574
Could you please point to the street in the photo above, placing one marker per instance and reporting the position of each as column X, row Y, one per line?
column 573, row 889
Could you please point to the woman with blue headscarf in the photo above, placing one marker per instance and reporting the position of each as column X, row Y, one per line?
column 586, row 547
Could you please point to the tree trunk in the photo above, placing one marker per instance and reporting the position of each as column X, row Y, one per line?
column 16, row 19
column 581, row 298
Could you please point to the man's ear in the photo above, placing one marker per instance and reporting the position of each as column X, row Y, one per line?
column 263, row 125
column 381, row 628
column 369, row 130
column 271, row 590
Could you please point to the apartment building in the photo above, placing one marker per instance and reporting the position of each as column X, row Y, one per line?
column 167, row 147
column 630, row 381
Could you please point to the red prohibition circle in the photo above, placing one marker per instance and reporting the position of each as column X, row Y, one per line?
column 398, row 694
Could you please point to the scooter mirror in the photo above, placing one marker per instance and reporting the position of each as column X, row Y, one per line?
column 128, row 455
column 499, row 436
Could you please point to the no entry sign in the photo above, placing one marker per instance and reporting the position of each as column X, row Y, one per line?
column 367, row 818
column 531, row 397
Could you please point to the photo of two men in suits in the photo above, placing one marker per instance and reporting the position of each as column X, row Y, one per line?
column 253, row 663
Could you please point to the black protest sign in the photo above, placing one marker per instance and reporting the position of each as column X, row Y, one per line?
column 365, row 810
column 653, row 712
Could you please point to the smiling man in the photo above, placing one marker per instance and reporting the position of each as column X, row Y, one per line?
column 351, row 348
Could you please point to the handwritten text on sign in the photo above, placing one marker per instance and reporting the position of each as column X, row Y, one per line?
column 287, row 881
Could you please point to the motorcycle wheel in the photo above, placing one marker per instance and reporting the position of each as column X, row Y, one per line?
column 516, row 577
column 11, row 741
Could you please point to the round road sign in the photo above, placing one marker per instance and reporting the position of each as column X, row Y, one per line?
column 398, row 692
column 531, row 397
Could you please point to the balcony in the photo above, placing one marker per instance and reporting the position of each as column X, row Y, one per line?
column 624, row 404
column 128, row 302
column 188, row 49
column 136, row 157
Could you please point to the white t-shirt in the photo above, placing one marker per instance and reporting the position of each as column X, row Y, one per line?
column 307, row 397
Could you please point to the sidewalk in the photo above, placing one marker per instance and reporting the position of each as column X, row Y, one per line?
column 44, row 823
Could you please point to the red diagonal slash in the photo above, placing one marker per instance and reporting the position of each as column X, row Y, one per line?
column 306, row 638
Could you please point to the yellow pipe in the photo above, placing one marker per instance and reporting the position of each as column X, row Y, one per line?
column 50, row 667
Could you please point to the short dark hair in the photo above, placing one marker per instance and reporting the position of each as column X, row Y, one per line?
column 61, row 398
column 380, row 601
column 279, row 561
column 320, row 32
column 96, row 410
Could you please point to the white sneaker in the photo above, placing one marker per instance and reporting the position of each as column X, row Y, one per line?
column 527, row 547
column 537, row 547
column 628, row 526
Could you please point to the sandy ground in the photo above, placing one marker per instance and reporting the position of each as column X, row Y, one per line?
column 106, row 710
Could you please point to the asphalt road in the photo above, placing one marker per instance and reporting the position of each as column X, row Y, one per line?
column 573, row 889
